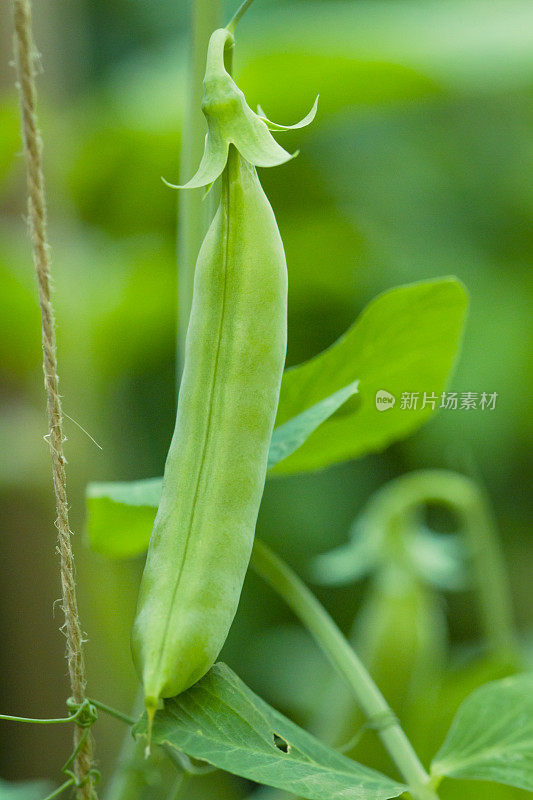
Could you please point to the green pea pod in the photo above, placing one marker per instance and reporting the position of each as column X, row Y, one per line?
column 216, row 466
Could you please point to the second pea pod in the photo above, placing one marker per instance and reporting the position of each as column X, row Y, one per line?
column 234, row 357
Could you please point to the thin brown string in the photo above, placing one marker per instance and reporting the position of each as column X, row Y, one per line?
column 25, row 62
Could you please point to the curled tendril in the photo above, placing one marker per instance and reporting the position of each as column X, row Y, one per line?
column 93, row 774
column 84, row 714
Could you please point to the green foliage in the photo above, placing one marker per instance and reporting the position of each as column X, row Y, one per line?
column 407, row 337
column 121, row 514
column 221, row 721
column 406, row 340
column 290, row 435
column 416, row 170
column 491, row 737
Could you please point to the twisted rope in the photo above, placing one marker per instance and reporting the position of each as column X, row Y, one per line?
column 25, row 57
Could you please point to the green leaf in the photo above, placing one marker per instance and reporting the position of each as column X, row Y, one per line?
column 292, row 434
column 221, row 721
column 25, row 790
column 491, row 737
column 121, row 515
column 145, row 492
column 406, row 340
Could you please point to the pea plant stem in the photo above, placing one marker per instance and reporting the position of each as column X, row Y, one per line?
column 232, row 24
column 63, row 788
column 490, row 576
column 113, row 712
column 9, row 718
column 316, row 619
column 193, row 215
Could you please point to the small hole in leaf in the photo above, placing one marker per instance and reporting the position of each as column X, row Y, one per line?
column 281, row 743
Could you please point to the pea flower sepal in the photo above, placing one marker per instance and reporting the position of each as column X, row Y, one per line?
column 230, row 120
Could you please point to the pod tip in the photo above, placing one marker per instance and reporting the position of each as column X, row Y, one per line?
column 151, row 707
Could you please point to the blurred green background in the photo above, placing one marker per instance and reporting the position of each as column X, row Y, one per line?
column 420, row 164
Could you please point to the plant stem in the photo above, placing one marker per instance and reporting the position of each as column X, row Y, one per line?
column 316, row 619
column 8, row 718
column 490, row 574
column 192, row 213
column 232, row 24
column 60, row 789
column 113, row 712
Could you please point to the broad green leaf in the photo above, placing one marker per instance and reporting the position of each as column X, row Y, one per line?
column 121, row 514
column 469, row 668
column 405, row 341
column 491, row 737
column 221, row 721
column 24, row 790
